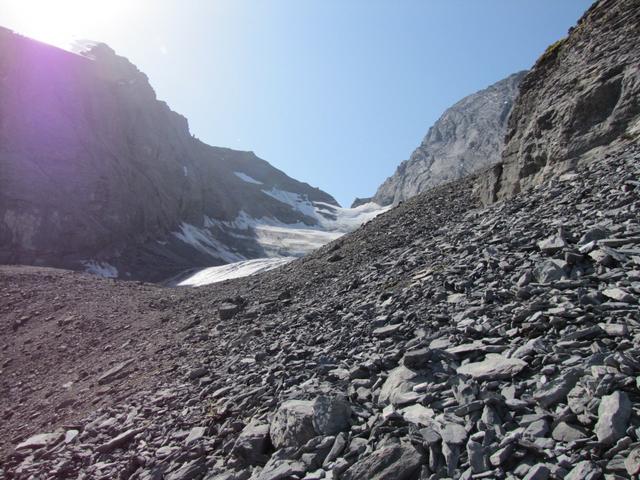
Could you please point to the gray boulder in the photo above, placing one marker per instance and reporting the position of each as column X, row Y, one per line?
column 493, row 367
column 252, row 444
column 298, row 421
column 396, row 461
column 613, row 417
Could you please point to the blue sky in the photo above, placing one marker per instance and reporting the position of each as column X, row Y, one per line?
column 334, row 92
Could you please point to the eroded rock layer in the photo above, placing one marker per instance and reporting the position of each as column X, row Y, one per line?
column 579, row 98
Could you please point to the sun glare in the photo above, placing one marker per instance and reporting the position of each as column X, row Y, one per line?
column 61, row 22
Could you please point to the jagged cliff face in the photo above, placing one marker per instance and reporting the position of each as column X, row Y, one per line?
column 466, row 138
column 582, row 97
column 93, row 166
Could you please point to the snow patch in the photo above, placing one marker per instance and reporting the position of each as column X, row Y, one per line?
column 347, row 219
column 246, row 178
column 102, row 269
column 204, row 241
column 330, row 217
column 233, row 270
column 278, row 241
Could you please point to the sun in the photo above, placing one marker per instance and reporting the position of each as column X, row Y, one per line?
column 61, row 22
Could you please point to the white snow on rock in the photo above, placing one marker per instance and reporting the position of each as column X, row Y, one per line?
column 202, row 240
column 102, row 269
column 246, row 178
column 233, row 270
column 279, row 241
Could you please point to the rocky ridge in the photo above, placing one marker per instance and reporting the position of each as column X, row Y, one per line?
column 579, row 98
column 468, row 137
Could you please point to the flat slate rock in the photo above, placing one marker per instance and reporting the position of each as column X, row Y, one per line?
column 493, row 367
column 399, row 461
column 613, row 416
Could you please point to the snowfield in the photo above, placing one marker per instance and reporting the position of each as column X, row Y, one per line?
column 233, row 270
column 280, row 242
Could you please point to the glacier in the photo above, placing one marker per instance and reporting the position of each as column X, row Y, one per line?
column 280, row 242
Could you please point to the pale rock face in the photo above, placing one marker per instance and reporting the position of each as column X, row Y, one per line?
column 467, row 137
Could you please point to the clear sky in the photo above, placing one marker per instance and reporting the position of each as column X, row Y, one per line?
column 334, row 92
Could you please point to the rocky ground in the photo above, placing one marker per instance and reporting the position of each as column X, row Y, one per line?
column 441, row 340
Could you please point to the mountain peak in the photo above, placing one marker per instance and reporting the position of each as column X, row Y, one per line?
column 467, row 137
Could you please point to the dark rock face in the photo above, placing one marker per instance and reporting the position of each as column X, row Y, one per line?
column 581, row 96
column 93, row 166
column 467, row 137
column 361, row 201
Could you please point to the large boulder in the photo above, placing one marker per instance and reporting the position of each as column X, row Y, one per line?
column 397, row 460
column 613, row 416
column 252, row 444
column 398, row 386
column 298, row 421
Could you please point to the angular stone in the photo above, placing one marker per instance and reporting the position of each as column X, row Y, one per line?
column 564, row 432
column 552, row 244
column 118, row 441
column 453, row 434
column 584, row 470
column 593, row 234
column 386, row 331
column 298, row 421
column 578, row 399
column 615, row 329
column 397, row 461
column 195, row 434
column 282, row 470
column 537, row 429
column 474, row 347
column 619, row 295
column 227, row 311
column 417, row 358
column 557, row 390
column 330, row 415
column 535, row 345
column 193, row 470
column 40, row 441
column 430, row 436
column 538, row 472
column 613, row 417
column 632, row 462
column 400, row 381
column 550, row 271
column 418, row 415
column 338, row 446
column 292, row 424
column 493, row 367
column 252, row 444
column 114, row 373
column 501, row 455
column 71, row 435
column 477, row 456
